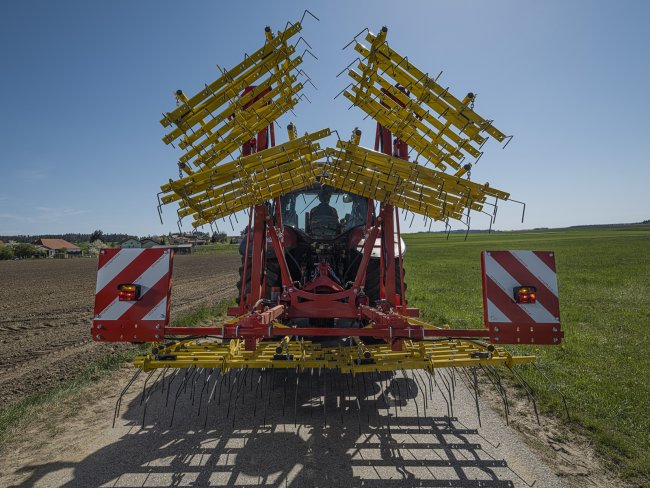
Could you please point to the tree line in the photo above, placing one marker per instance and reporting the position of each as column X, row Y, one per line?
column 72, row 237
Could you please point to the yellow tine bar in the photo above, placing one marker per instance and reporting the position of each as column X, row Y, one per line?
column 243, row 119
column 404, row 123
column 233, row 73
column 419, row 83
column 230, row 167
column 416, row 172
column 240, row 187
column 412, row 105
column 432, row 153
column 243, row 128
column 230, row 94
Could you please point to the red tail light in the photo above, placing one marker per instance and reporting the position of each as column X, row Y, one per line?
column 525, row 294
column 129, row 292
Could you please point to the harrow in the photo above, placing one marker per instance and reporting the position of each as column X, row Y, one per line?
column 321, row 293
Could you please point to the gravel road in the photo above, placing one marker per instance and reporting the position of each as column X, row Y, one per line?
column 389, row 439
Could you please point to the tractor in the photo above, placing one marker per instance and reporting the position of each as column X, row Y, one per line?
column 322, row 281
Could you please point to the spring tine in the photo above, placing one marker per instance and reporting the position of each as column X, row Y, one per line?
column 448, row 388
column 284, row 397
column 268, row 395
column 295, row 399
column 430, row 379
column 399, row 394
column 408, row 392
column 477, row 393
column 258, row 385
column 230, row 390
column 196, row 378
column 206, row 386
column 311, row 377
column 240, row 388
column 470, row 385
column 169, row 385
column 556, row 388
column 527, row 388
column 421, row 387
column 178, row 392
column 144, row 387
column 443, row 397
column 323, row 398
column 505, row 393
column 451, row 376
column 355, row 380
column 214, row 389
column 383, row 394
column 146, row 401
column 118, row 403
column 162, row 381
column 493, row 381
column 340, row 392
column 365, row 389
column 496, row 381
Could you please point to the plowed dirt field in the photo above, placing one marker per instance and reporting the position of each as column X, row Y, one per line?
column 46, row 310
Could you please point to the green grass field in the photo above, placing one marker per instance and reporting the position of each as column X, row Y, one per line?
column 603, row 365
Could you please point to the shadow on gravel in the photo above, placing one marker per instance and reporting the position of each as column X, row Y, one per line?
column 277, row 428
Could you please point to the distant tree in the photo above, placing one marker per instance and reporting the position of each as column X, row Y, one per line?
column 27, row 251
column 97, row 235
column 6, row 253
column 218, row 237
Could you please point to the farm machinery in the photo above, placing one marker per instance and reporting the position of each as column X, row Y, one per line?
column 322, row 285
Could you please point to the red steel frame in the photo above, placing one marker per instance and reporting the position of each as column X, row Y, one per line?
column 387, row 320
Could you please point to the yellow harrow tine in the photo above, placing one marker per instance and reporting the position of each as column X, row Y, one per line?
column 407, row 185
column 416, row 109
column 213, row 193
column 269, row 47
column 425, row 88
column 243, row 126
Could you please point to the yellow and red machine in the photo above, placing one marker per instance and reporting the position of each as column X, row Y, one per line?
column 323, row 285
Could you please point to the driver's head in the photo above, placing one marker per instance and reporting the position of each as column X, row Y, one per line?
column 324, row 195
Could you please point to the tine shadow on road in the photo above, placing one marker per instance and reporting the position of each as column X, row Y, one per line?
column 279, row 428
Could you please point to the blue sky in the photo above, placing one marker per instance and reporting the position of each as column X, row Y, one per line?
column 84, row 83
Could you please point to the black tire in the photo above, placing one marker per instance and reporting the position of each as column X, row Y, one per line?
column 272, row 277
column 372, row 280
column 373, row 275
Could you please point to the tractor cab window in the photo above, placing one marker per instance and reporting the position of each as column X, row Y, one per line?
column 323, row 212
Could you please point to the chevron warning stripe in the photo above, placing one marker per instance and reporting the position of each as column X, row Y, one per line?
column 135, row 321
column 512, row 322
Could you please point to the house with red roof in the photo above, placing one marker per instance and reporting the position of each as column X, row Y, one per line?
column 60, row 247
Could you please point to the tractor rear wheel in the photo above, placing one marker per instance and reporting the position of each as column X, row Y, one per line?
column 272, row 277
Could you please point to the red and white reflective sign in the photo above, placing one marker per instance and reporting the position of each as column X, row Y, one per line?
column 132, row 321
column 511, row 322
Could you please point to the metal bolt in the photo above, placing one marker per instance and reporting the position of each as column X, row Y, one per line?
column 100, row 326
column 99, row 337
column 157, row 336
column 496, row 329
column 496, row 338
column 157, row 326
column 554, row 339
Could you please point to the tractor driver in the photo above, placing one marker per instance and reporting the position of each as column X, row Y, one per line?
column 324, row 209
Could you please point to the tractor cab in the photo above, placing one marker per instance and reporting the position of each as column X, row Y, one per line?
column 322, row 212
